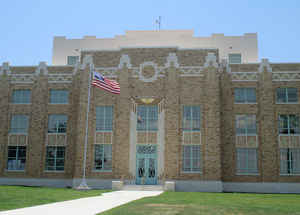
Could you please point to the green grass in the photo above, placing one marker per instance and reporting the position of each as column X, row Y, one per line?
column 12, row 197
column 179, row 203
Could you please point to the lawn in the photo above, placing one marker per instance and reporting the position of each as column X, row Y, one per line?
column 12, row 197
column 179, row 203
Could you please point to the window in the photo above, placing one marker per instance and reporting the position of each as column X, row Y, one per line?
column 59, row 96
column 103, row 157
column 19, row 124
column 147, row 116
column 57, row 123
column 246, row 160
column 245, row 95
column 21, row 97
column 290, row 161
column 235, row 58
column 191, row 158
column 16, row 158
column 72, row 60
column 287, row 95
column 104, row 118
column 191, row 118
column 289, row 124
column 55, row 158
column 245, row 124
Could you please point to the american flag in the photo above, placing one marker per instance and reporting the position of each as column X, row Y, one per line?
column 105, row 84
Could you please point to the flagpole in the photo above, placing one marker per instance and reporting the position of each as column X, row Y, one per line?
column 83, row 185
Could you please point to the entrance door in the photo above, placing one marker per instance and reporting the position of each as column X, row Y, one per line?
column 146, row 164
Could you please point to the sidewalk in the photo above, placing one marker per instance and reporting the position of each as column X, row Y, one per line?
column 84, row 206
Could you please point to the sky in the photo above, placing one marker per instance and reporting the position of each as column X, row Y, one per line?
column 27, row 27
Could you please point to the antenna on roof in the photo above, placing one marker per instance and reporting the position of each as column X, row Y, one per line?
column 158, row 23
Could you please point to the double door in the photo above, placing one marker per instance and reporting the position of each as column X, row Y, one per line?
column 146, row 164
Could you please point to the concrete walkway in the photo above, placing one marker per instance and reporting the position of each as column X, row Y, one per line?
column 84, row 206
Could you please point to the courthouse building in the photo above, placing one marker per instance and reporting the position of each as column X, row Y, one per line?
column 201, row 112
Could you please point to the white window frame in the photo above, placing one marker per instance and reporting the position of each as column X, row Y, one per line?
column 231, row 54
column 245, row 93
column 287, row 95
column 60, row 96
column 16, row 158
column 147, row 118
column 55, row 159
column 105, row 109
column 25, row 131
column 102, row 158
column 246, row 171
column 191, row 159
column 16, row 93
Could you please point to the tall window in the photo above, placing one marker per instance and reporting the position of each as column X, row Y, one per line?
column 57, row 123
column 191, row 158
column 246, row 159
column 103, row 157
column 104, row 118
column 235, row 58
column 16, row 157
column 147, row 116
column 290, row 161
column 19, row 124
column 287, row 95
column 245, row 95
column 21, row 97
column 245, row 124
column 289, row 124
column 55, row 158
column 191, row 118
column 59, row 96
column 72, row 60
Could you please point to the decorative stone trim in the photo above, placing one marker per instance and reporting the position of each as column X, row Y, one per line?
column 191, row 71
column 109, row 72
column 211, row 60
column 60, row 78
column 244, row 141
column 286, row 76
column 265, row 63
column 172, row 59
column 41, row 67
column 17, row 139
column 56, row 139
column 289, row 141
column 88, row 59
column 22, row 79
column 125, row 59
column 156, row 72
column 244, row 76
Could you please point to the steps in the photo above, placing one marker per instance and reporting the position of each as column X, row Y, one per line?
column 143, row 187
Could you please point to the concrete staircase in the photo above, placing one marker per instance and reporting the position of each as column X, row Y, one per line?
column 143, row 187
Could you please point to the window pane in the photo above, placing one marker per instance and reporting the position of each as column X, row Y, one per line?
column 191, row 161
column 57, row 123
column 191, row 118
column 59, row 96
column 104, row 118
column 103, row 157
column 235, row 58
column 251, row 124
column 240, row 124
column 21, row 97
column 281, row 95
column 239, row 95
column 292, row 95
column 19, row 124
column 251, row 95
column 246, row 160
column 55, row 158
column 16, row 158
column 147, row 116
column 72, row 60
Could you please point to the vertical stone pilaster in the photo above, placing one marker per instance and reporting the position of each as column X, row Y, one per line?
column 4, row 104
column 38, row 127
column 268, row 122
column 172, row 108
column 212, row 120
column 121, row 145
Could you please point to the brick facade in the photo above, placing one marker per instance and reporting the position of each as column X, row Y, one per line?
column 192, row 77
